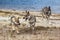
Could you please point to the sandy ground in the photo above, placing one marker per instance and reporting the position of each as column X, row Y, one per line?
column 41, row 33
column 51, row 32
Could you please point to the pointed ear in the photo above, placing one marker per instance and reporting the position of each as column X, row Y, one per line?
column 26, row 11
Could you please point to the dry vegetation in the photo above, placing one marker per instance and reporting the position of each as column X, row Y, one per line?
column 41, row 33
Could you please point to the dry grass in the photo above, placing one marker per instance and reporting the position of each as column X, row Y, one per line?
column 41, row 33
